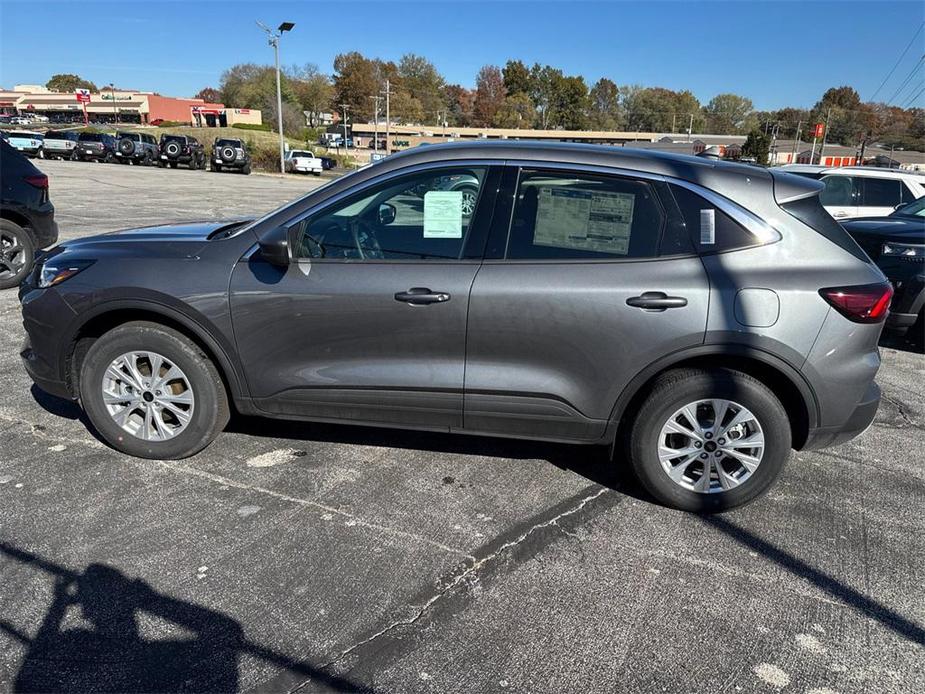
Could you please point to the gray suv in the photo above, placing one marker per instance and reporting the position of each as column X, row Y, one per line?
column 702, row 318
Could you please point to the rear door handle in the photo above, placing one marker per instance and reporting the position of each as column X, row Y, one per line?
column 656, row 301
column 418, row 296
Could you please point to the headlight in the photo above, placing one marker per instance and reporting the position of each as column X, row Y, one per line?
column 55, row 272
column 904, row 250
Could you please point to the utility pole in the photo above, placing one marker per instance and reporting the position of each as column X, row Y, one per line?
column 273, row 40
column 796, row 140
column 673, row 115
column 376, row 99
column 344, row 109
column 441, row 119
column 825, row 134
column 388, row 120
column 690, row 127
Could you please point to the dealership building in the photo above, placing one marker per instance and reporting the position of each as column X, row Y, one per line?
column 122, row 106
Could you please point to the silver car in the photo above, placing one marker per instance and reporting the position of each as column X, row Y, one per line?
column 701, row 318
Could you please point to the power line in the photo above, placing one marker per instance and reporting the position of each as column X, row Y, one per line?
column 903, row 55
column 912, row 72
column 911, row 101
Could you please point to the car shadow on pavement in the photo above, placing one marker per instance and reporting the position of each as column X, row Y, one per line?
column 103, row 647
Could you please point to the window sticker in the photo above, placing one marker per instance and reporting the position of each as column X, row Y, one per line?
column 707, row 227
column 584, row 220
column 443, row 217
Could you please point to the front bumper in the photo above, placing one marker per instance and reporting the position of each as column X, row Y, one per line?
column 44, row 313
column 856, row 424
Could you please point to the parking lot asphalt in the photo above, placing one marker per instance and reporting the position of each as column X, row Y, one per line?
column 333, row 558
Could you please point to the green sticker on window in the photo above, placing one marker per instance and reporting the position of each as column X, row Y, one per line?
column 443, row 215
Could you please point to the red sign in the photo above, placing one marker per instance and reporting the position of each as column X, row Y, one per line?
column 818, row 129
column 83, row 96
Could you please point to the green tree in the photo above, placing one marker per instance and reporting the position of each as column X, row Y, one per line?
column 605, row 111
column 516, row 111
column 546, row 84
column 571, row 104
column 424, row 84
column 728, row 114
column 65, row 82
column 517, row 78
column 489, row 95
column 661, row 110
column 757, row 145
column 849, row 121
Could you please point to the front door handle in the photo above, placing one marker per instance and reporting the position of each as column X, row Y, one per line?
column 656, row 301
column 418, row 296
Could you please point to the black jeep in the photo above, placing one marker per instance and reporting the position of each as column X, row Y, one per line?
column 230, row 154
column 139, row 148
column 181, row 149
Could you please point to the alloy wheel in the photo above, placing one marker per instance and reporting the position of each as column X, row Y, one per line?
column 711, row 446
column 12, row 255
column 148, row 396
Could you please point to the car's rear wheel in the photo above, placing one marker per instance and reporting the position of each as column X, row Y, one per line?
column 16, row 254
column 708, row 440
column 151, row 392
column 217, row 168
column 246, row 169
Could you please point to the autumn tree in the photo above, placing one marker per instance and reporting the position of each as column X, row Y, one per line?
column 423, row 83
column 849, row 121
column 489, row 95
column 460, row 104
column 65, row 82
column 210, row 95
column 312, row 90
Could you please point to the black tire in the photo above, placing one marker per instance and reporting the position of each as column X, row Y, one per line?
column 246, row 169
column 916, row 334
column 211, row 410
column 173, row 165
column 217, row 168
column 675, row 389
column 22, row 238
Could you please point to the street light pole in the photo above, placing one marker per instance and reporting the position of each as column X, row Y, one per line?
column 273, row 40
column 388, row 120
column 115, row 112
column 344, row 109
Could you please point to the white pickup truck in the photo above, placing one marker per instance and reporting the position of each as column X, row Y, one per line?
column 302, row 161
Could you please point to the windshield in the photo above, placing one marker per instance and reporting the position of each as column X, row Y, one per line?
column 913, row 209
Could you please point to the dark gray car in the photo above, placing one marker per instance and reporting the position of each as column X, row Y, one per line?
column 701, row 317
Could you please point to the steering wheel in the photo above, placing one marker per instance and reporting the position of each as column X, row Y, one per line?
column 365, row 238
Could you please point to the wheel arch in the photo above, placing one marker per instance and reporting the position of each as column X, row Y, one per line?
column 15, row 217
column 781, row 377
column 113, row 314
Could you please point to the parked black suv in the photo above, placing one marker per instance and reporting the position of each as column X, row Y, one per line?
column 96, row 147
column 182, row 149
column 27, row 217
column 230, row 154
column 139, row 148
column 897, row 244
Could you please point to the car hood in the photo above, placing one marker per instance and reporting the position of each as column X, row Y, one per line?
column 167, row 238
column 888, row 228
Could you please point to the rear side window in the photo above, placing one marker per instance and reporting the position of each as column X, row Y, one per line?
column 907, row 194
column 839, row 191
column 811, row 212
column 709, row 228
column 561, row 215
column 881, row 192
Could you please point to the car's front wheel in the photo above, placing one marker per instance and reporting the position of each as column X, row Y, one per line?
column 709, row 440
column 151, row 392
column 16, row 254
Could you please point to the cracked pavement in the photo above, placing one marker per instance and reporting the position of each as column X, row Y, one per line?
column 304, row 557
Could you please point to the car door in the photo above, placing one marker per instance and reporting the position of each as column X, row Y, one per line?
column 841, row 196
column 594, row 279
column 368, row 322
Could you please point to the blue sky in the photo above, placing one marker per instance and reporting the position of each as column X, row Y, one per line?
column 777, row 53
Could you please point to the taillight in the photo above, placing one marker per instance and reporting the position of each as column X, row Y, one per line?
column 864, row 303
column 40, row 181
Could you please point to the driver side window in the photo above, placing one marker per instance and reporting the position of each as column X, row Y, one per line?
column 421, row 216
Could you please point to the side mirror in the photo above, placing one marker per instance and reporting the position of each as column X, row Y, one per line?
column 274, row 247
column 900, row 206
column 386, row 213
